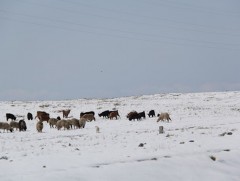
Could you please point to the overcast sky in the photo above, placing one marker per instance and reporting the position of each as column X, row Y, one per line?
column 69, row 49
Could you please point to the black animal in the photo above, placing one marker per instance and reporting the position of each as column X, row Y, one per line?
column 104, row 114
column 151, row 113
column 142, row 115
column 58, row 118
column 22, row 125
column 90, row 112
column 10, row 116
column 29, row 116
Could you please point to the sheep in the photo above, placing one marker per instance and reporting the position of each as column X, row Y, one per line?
column 22, row 125
column 53, row 122
column 104, row 114
column 142, row 115
column 6, row 126
column 82, row 122
column 10, row 116
column 63, row 123
column 89, row 117
column 151, row 113
column 14, row 124
column 133, row 115
column 39, row 126
column 42, row 116
column 90, row 112
column 66, row 113
column 114, row 114
column 74, row 123
column 29, row 116
column 163, row 116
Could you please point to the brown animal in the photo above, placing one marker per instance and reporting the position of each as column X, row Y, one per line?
column 66, row 113
column 129, row 114
column 14, row 124
column 163, row 116
column 39, row 126
column 6, row 126
column 53, row 122
column 114, row 114
column 89, row 117
column 133, row 115
column 90, row 112
column 63, row 123
column 42, row 116
column 74, row 123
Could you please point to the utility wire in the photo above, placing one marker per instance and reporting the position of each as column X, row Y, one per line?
column 116, row 30
column 119, row 36
column 184, row 5
column 120, row 19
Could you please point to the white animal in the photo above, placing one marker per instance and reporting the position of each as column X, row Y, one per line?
column 163, row 116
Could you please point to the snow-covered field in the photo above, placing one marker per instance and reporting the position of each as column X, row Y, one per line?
column 182, row 153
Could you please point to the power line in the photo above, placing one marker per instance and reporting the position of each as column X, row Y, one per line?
column 119, row 36
column 157, row 18
column 182, row 5
column 116, row 30
column 139, row 15
column 122, row 12
column 176, row 4
column 148, row 24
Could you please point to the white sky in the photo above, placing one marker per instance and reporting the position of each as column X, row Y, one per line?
column 67, row 49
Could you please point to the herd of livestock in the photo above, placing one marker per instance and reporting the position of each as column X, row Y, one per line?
column 73, row 122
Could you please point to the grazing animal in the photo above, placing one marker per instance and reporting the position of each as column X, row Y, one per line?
column 104, row 114
column 90, row 112
column 29, row 116
column 142, row 115
column 63, row 123
column 82, row 122
column 39, row 126
column 22, row 125
column 42, row 116
column 130, row 113
column 89, row 117
column 58, row 118
column 14, row 124
column 53, row 122
column 133, row 115
column 10, row 116
column 74, row 123
column 151, row 113
column 114, row 114
column 5, row 126
column 97, row 129
column 66, row 113
column 163, row 116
